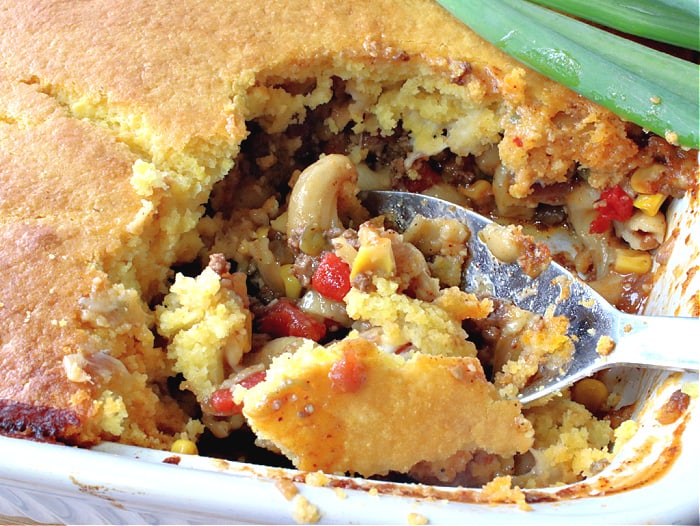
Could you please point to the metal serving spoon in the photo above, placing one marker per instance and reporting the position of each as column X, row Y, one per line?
column 641, row 341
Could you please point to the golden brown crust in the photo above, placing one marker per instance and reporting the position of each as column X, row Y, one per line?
column 57, row 195
column 189, row 88
column 33, row 347
column 55, row 166
column 355, row 408
column 66, row 201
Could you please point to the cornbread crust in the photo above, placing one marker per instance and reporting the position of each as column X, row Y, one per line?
column 118, row 117
column 26, row 329
column 171, row 79
column 440, row 405
column 66, row 200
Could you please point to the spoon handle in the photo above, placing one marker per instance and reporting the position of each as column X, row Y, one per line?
column 666, row 342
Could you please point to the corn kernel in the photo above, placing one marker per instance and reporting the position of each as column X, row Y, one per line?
column 644, row 180
column 262, row 232
column 292, row 286
column 479, row 191
column 629, row 261
column 184, row 447
column 649, row 204
column 279, row 223
column 377, row 257
column 489, row 161
column 591, row 393
column 312, row 240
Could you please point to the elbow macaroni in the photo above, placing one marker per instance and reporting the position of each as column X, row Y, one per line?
column 642, row 231
column 580, row 205
column 321, row 188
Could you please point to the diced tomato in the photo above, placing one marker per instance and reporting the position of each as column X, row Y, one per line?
column 284, row 318
column 222, row 404
column 428, row 177
column 253, row 379
column 614, row 205
column 518, row 142
column 221, row 401
column 332, row 277
column 348, row 374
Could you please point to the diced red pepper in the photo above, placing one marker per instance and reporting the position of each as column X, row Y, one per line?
column 221, row 401
column 348, row 374
column 403, row 348
column 284, row 318
column 428, row 177
column 332, row 277
column 614, row 205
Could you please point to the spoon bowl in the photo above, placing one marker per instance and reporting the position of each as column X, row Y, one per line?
column 603, row 336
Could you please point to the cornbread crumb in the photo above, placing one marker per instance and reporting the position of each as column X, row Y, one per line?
column 340, row 493
column 429, row 327
column 623, row 433
column 303, row 512
column 207, row 327
column 193, row 429
column 287, row 488
column 317, row 478
column 605, row 345
column 530, row 340
column 500, row 489
column 111, row 412
column 569, row 443
column 417, row 519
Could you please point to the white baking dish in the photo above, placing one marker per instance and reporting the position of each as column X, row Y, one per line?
column 654, row 479
column 120, row 484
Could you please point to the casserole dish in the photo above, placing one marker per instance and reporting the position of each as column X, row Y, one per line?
column 148, row 180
